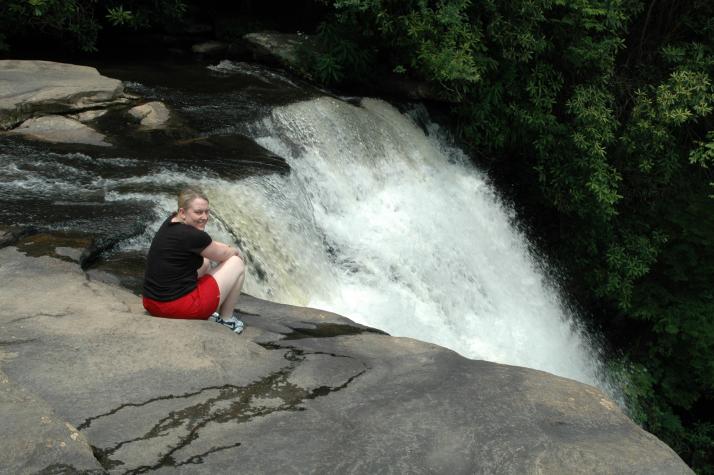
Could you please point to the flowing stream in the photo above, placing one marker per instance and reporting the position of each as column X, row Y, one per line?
column 393, row 227
column 379, row 219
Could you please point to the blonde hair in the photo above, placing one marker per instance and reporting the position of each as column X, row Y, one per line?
column 187, row 195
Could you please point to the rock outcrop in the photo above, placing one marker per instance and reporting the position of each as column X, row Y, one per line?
column 35, row 439
column 282, row 49
column 151, row 115
column 33, row 88
column 60, row 129
column 276, row 48
column 300, row 391
column 88, row 116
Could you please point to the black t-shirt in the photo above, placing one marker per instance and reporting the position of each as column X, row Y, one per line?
column 174, row 257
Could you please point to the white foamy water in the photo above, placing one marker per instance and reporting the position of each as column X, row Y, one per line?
column 395, row 229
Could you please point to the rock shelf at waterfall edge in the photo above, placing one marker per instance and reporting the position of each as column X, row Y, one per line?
column 89, row 383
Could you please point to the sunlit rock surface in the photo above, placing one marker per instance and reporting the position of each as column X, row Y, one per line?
column 34, row 438
column 60, row 129
column 152, row 114
column 301, row 390
column 89, row 116
column 31, row 88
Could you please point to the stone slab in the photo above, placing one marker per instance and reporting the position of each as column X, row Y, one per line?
column 319, row 394
column 29, row 88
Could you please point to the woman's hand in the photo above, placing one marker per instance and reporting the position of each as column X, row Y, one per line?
column 219, row 252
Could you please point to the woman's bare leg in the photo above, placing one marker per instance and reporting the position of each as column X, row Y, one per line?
column 230, row 276
column 229, row 304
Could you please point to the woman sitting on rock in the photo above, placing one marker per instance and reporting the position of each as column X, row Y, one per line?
column 179, row 281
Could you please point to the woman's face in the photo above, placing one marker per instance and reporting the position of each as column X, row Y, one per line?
column 196, row 214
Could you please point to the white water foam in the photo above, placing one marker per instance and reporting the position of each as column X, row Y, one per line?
column 393, row 228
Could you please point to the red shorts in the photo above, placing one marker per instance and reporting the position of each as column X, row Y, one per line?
column 198, row 304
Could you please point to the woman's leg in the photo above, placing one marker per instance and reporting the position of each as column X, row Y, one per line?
column 229, row 275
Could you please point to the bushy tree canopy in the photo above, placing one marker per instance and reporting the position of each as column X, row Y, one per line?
column 604, row 109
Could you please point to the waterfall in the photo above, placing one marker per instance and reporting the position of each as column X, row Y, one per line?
column 379, row 219
column 394, row 228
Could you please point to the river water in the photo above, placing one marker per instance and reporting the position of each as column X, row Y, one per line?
column 373, row 213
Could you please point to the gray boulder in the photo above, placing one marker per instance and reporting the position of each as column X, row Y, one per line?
column 88, row 116
column 276, row 48
column 151, row 115
column 31, row 88
column 300, row 391
column 59, row 129
column 282, row 49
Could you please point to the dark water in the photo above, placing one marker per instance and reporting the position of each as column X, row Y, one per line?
column 112, row 191
column 112, row 196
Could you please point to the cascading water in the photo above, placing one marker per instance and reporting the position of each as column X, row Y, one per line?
column 375, row 220
column 395, row 229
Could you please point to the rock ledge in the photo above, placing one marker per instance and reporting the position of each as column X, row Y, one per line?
column 29, row 88
column 300, row 388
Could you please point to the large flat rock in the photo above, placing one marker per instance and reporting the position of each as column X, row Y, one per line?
column 34, row 438
column 29, row 88
column 59, row 129
column 301, row 391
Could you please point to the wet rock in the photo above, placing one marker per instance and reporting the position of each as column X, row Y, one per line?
column 91, row 251
column 124, row 268
column 60, row 129
column 107, row 222
column 31, row 88
column 9, row 235
column 282, row 49
column 68, row 246
column 210, row 48
column 276, row 48
column 151, row 115
column 153, row 394
column 89, row 116
column 410, row 88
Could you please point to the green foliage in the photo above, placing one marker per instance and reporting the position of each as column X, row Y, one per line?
column 436, row 41
column 605, row 108
column 78, row 22
column 118, row 16
column 72, row 18
column 445, row 42
column 335, row 46
column 703, row 155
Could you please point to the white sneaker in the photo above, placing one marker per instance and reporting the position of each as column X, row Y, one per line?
column 233, row 323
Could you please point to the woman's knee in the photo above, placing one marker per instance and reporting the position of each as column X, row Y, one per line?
column 229, row 271
column 237, row 263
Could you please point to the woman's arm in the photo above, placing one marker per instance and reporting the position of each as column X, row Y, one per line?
column 219, row 252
